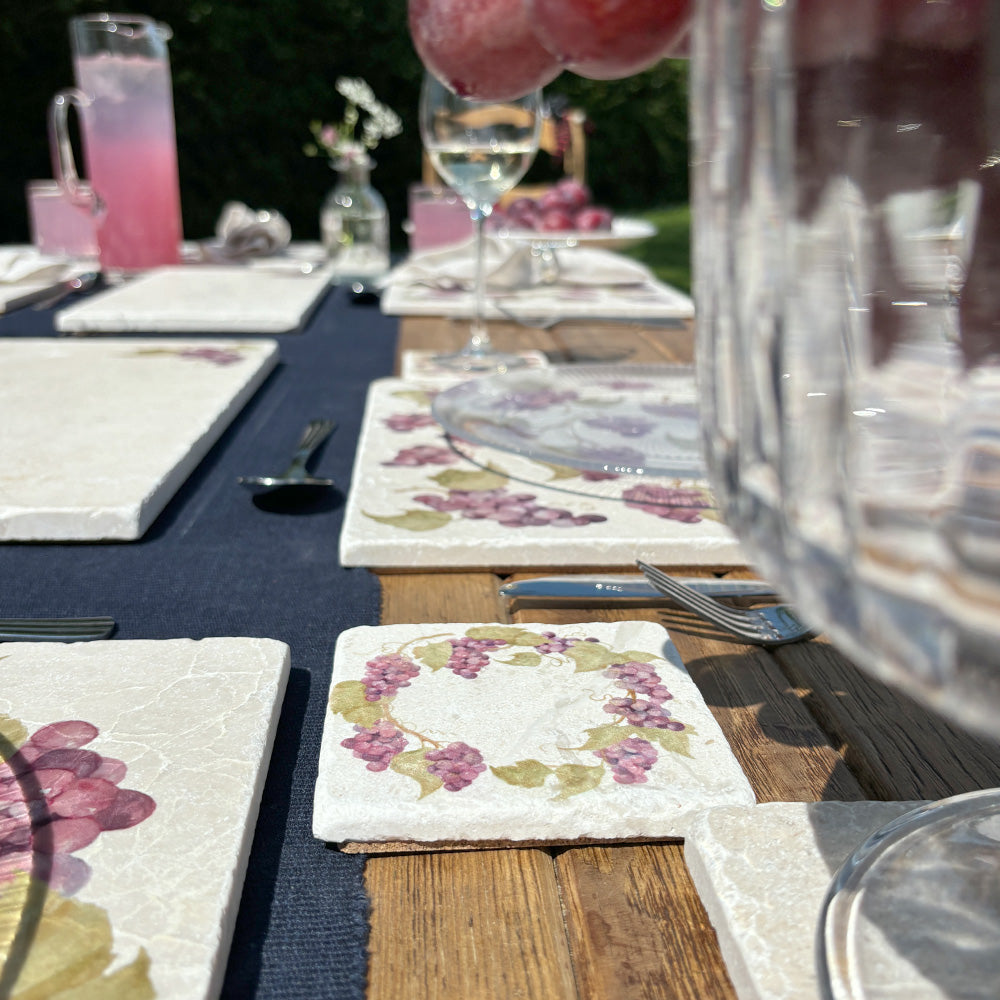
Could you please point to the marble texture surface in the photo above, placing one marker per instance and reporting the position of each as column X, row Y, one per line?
column 404, row 507
column 762, row 874
column 276, row 298
column 187, row 723
column 518, row 740
column 99, row 434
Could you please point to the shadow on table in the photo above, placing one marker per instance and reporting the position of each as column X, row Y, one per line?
column 254, row 918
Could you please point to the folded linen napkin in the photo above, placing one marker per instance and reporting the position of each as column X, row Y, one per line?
column 25, row 265
column 242, row 232
column 510, row 266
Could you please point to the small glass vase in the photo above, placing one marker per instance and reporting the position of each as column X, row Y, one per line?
column 354, row 224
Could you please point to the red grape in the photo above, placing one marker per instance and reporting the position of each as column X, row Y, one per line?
column 484, row 50
column 609, row 39
column 592, row 218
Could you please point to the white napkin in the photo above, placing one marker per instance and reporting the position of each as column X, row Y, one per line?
column 25, row 265
column 242, row 233
column 510, row 266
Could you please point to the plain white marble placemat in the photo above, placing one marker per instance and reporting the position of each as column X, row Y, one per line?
column 99, row 434
column 409, row 488
column 148, row 759
column 762, row 874
column 461, row 732
column 204, row 298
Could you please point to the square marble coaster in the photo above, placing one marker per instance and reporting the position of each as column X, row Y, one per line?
column 99, row 434
column 516, row 732
column 405, row 505
column 762, row 874
column 143, row 762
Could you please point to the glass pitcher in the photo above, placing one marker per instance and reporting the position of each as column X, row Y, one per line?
column 123, row 97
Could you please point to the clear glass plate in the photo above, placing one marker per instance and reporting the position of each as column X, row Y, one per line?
column 624, row 419
column 915, row 911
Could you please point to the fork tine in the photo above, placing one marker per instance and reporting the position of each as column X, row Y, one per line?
column 719, row 614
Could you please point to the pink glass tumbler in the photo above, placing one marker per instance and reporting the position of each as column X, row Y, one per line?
column 124, row 100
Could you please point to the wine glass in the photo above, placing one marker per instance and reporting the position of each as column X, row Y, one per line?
column 847, row 207
column 482, row 149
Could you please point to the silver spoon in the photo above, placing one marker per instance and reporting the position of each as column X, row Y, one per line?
column 316, row 432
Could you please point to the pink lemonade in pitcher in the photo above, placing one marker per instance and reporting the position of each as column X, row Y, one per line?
column 131, row 157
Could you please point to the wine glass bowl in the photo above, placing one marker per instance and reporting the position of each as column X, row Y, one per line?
column 481, row 149
column 847, row 233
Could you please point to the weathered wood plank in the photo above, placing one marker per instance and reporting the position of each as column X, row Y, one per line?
column 467, row 926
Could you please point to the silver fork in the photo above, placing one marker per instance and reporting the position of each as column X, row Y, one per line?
column 764, row 626
column 55, row 629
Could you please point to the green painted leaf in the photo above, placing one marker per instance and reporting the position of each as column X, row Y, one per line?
column 576, row 778
column 510, row 634
column 347, row 699
column 413, row 764
column 414, row 520
column 12, row 734
column 560, row 471
column 470, row 479
column 523, row 660
column 711, row 514
column 668, row 739
column 592, row 656
column 524, row 774
column 601, row 737
column 434, row 655
column 635, row 654
column 70, row 950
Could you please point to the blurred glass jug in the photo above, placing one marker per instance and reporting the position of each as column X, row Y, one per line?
column 123, row 97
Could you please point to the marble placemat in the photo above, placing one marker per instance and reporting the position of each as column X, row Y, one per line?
column 647, row 300
column 99, row 434
column 276, row 298
column 517, row 732
column 142, row 764
column 416, row 501
column 417, row 365
column 762, row 874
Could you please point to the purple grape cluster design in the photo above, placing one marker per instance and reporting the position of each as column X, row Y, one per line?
column 56, row 798
column 458, row 492
column 626, row 746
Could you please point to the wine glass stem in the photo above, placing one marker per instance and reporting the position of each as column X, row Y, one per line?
column 480, row 338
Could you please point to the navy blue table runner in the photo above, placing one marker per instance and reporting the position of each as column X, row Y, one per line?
column 216, row 564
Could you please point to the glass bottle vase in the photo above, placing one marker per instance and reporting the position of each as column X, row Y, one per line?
column 354, row 223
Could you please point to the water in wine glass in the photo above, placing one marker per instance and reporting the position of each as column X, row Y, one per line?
column 482, row 174
column 482, row 149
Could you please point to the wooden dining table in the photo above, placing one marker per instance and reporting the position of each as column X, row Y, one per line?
column 623, row 920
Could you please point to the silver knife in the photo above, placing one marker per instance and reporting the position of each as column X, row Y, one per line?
column 631, row 585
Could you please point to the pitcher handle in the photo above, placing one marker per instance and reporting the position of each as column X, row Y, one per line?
column 63, row 161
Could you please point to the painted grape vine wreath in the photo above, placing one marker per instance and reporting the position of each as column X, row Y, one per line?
column 626, row 745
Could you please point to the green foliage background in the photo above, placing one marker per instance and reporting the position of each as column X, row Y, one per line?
column 249, row 76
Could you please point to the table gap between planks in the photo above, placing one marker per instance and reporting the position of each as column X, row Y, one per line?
column 623, row 921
